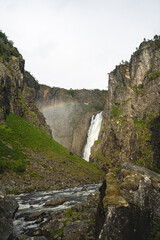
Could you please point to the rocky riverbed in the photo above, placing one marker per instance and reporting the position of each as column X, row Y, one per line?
column 61, row 214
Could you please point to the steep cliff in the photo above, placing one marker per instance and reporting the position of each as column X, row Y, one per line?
column 68, row 113
column 15, row 96
column 29, row 158
column 130, row 136
column 131, row 123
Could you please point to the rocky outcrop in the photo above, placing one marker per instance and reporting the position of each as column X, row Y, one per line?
column 16, row 93
column 68, row 113
column 131, row 205
column 8, row 207
column 131, row 120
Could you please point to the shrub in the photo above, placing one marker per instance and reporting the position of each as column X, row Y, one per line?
column 3, row 165
column 116, row 111
column 19, row 166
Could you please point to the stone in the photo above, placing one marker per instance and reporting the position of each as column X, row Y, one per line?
column 136, row 219
column 130, row 126
column 55, row 202
column 35, row 216
column 76, row 230
column 8, row 208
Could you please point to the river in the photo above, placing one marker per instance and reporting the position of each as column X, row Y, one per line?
column 34, row 202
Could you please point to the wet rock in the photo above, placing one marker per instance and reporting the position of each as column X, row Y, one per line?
column 35, row 216
column 8, row 207
column 55, row 202
column 78, row 222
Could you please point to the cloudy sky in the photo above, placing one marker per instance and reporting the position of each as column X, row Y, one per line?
column 76, row 43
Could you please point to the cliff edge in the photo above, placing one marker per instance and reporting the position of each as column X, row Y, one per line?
column 131, row 120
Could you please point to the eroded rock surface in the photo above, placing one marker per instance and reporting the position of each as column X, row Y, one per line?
column 131, row 120
column 131, row 205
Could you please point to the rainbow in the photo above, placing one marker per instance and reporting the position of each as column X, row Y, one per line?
column 56, row 106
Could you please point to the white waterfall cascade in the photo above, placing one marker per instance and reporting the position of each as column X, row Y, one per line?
column 93, row 133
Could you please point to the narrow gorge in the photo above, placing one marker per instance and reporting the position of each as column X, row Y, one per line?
column 116, row 131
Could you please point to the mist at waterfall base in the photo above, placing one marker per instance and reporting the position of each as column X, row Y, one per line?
column 93, row 133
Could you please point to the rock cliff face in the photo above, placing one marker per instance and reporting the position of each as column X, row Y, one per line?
column 16, row 96
column 68, row 113
column 130, row 206
column 131, row 123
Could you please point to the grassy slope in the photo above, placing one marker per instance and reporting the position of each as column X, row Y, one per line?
column 22, row 145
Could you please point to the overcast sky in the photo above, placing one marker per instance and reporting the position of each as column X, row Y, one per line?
column 76, row 43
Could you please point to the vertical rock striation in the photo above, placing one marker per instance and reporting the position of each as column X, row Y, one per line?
column 130, row 128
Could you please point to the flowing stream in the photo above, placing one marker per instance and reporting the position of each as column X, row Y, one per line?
column 34, row 202
column 93, row 133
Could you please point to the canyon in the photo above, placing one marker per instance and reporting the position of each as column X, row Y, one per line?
column 125, row 156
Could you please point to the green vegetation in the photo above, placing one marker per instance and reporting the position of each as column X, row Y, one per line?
column 152, row 75
column 155, row 232
column 95, row 106
column 124, row 62
column 18, row 137
column 56, row 233
column 137, row 88
column 6, row 48
column 116, row 111
column 157, row 40
column 144, row 149
column 69, row 211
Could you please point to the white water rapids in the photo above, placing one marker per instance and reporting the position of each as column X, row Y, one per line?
column 93, row 133
column 33, row 202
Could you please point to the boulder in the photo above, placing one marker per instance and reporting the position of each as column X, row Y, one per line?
column 139, row 218
column 55, row 202
column 35, row 216
column 8, row 207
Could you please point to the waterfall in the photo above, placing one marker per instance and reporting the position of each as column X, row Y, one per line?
column 93, row 133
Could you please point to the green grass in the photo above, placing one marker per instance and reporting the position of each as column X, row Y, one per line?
column 19, row 136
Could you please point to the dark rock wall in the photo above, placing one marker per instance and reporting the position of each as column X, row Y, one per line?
column 130, row 128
